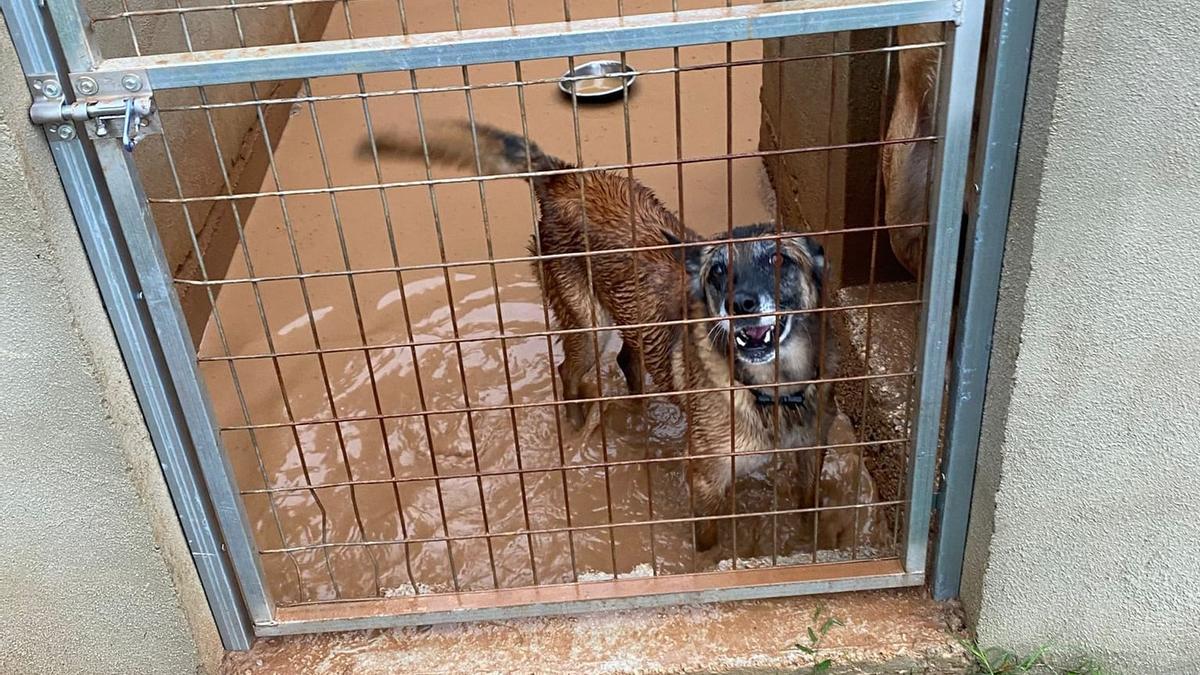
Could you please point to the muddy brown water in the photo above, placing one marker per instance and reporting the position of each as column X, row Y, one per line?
column 307, row 527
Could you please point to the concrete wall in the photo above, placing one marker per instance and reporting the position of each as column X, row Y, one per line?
column 96, row 574
column 1086, row 518
column 828, row 101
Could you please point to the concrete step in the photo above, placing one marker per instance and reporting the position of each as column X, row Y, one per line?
column 878, row 632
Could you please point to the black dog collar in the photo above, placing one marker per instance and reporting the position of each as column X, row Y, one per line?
column 789, row 400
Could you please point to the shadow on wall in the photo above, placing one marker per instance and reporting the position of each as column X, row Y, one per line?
column 180, row 163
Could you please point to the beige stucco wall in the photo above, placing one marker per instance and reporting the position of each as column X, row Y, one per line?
column 96, row 575
column 1086, row 520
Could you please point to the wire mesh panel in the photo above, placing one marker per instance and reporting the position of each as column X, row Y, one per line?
column 464, row 341
column 147, row 27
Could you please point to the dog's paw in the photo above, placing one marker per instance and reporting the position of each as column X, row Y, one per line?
column 577, row 414
column 706, row 535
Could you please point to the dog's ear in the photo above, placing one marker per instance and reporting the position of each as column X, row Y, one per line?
column 692, row 255
column 816, row 253
column 688, row 255
column 679, row 252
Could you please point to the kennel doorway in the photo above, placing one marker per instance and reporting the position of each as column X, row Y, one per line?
column 363, row 362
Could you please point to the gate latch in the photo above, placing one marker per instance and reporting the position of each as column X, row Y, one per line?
column 109, row 105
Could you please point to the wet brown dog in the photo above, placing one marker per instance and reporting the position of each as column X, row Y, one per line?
column 729, row 281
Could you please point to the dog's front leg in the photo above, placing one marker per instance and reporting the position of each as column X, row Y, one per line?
column 710, row 481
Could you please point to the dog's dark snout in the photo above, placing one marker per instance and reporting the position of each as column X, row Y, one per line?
column 745, row 303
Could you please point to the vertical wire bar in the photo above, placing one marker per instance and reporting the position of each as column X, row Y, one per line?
column 1006, row 74
column 219, row 326
column 445, row 278
column 491, row 255
column 512, row 21
column 388, row 225
column 685, row 300
column 637, row 296
column 838, row 39
column 259, row 305
column 731, row 281
column 422, row 400
column 876, row 221
column 258, row 299
column 234, row 378
column 541, row 271
column 922, row 260
column 362, row 331
column 587, row 261
column 955, row 117
column 776, row 408
column 133, row 38
column 306, row 298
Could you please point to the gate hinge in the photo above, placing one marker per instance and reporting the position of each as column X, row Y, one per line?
column 109, row 105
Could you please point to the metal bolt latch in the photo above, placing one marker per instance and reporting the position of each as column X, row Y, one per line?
column 109, row 103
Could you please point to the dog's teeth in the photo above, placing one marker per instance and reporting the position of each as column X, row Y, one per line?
column 741, row 341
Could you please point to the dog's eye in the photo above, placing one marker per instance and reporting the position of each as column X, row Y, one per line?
column 717, row 271
column 782, row 260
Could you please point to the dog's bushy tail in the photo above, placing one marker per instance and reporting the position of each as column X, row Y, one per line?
column 451, row 142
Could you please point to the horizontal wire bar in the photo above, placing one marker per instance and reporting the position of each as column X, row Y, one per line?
column 545, row 256
column 536, row 174
column 528, row 41
column 579, row 528
column 572, row 586
column 545, row 333
column 546, row 404
column 496, row 473
column 227, row 7
column 292, row 100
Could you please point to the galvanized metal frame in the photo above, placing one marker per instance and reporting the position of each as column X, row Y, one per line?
column 157, row 294
column 955, row 111
column 120, row 289
column 1005, row 76
column 538, row 41
column 176, row 358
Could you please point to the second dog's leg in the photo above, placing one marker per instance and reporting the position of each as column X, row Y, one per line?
column 710, row 479
column 628, row 360
column 808, row 477
column 578, row 374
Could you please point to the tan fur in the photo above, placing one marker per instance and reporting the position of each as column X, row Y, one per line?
column 906, row 165
column 709, row 414
column 845, row 481
column 600, row 211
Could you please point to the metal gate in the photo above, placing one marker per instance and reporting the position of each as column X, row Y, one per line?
column 97, row 108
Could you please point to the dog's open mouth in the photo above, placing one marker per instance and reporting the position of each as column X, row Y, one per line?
column 757, row 342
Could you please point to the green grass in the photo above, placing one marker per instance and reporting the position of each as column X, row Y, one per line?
column 998, row 661
column 815, row 633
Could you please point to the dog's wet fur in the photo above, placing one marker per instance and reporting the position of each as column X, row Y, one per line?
column 731, row 280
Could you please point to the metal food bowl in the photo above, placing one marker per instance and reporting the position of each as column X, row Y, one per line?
column 605, row 81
